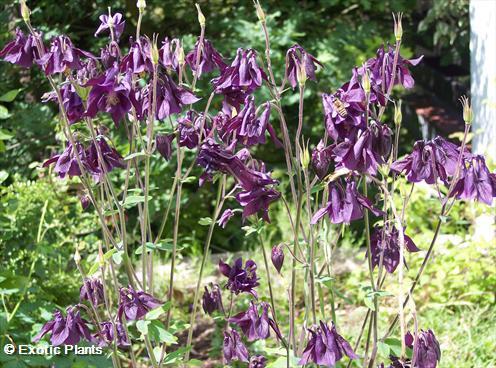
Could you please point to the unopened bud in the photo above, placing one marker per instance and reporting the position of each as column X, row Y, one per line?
column 25, row 11
column 201, row 17
column 141, row 5
column 101, row 259
column 305, row 157
column 468, row 113
column 366, row 80
column 77, row 257
column 154, row 52
column 180, row 55
column 398, row 28
column 398, row 117
column 260, row 12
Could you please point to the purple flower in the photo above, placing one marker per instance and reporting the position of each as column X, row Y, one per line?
column 326, row 347
column 225, row 217
column 297, row 56
column 255, row 325
column 212, row 300
column 475, row 182
column 429, row 161
column 367, row 151
column 109, row 93
column 163, row 142
column 321, row 160
column 257, row 361
column 386, row 241
column 344, row 110
column 65, row 330
column 210, row 59
column 240, row 279
column 189, row 129
column 233, row 347
column 426, row 350
column 66, row 162
column 21, row 51
column 111, row 158
column 241, row 78
column 169, row 52
column 277, row 256
column 135, row 304
column 110, row 54
column 62, row 56
column 257, row 200
column 106, row 335
column 92, row 290
column 73, row 104
column 85, row 201
column 138, row 59
column 113, row 22
column 344, row 205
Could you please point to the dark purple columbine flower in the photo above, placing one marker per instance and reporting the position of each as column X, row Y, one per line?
column 296, row 57
column 21, row 51
column 85, row 201
column 476, row 182
column 212, row 300
column 386, row 241
column 65, row 330
column 110, row 54
column 383, row 64
column 138, row 59
column 255, row 325
column 257, row 200
column 241, row 78
column 233, row 347
column 429, row 161
column 189, row 129
column 163, row 142
column 248, row 128
column 257, row 361
column 367, row 151
column 240, row 279
column 344, row 205
column 277, row 256
column 213, row 157
column 169, row 53
column 326, row 347
column 321, row 160
column 106, row 335
column 109, row 93
column 344, row 110
column 110, row 156
column 426, row 350
column 210, row 58
column 62, row 56
column 66, row 162
column 73, row 104
column 111, row 21
column 225, row 217
column 92, row 290
column 135, row 304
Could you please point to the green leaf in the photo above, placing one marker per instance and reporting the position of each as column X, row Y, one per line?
column 189, row 179
column 394, row 345
column 5, row 135
column 135, row 155
column 383, row 349
column 142, row 326
column 117, row 257
column 4, row 113
column 205, row 221
column 133, row 200
column 369, row 302
column 157, row 312
column 3, row 176
column 175, row 355
column 10, row 96
column 106, row 257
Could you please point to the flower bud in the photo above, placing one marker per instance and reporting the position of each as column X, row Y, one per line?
column 101, row 259
column 85, row 201
column 141, row 5
column 154, row 52
column 398, row 117
column 277, row 256
column 301, row 74
column 77, row 257
column 25, row 11
column 398, row 28
column 181, row 59
column 260, row 12
column 201, row 17
column 366, row 81
column 468, row 113
column 305, row 157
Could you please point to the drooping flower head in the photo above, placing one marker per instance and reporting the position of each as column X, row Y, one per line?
column 67, row 330
column 66, row 162
column 169, row 53
column 106, row 335
column 21, row 51
column 109, row 155
column 114, row 22
column 257, row 361
column 255, row 325
column 321, row 160
column 138, row 59
column 210, row 58
column 386, row 241
column 240, row 279
column 225, row 217
column 163, row 143
column 326, row 347
column 277, row 256
column 257, row 201
column 212, row 300
column 135, row 304
column 426, row 350
column 92, row 291
column 296, row 58
column 233, row 347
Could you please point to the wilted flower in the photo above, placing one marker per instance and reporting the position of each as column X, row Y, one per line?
column 163, row 142
column 367, row 151
column 233, row 347
column 297, row 58
column 257, row 361
column 326, row 347
column 344, row 205
column 135, row 304
column 429, row 161
column 426, row 350
column 114, row 22
column 106, row 335
column 65, row 330
column 225, row 217
column 240, row 279
column 277, row 256
column 475, row 182
column 21, row 51
column 386, row 241
column 210, row 58
column 321, row 160
column 212, row 300
column 255, row 325
column 92, row 290
column 66, row 162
